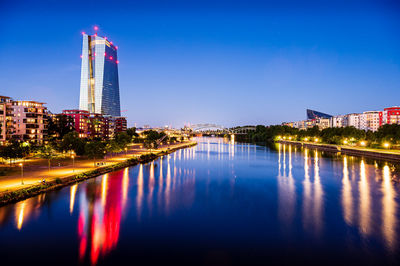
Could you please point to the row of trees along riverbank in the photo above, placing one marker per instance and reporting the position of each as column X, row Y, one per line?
column 68, row 144
column 387, row 136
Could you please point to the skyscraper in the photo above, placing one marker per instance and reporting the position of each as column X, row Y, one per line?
column 99, row 92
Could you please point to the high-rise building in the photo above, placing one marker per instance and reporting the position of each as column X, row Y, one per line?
column 99, row 89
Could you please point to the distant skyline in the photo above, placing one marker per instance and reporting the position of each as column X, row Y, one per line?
column 224, row 62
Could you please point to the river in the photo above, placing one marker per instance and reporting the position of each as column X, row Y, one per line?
column 218, row 203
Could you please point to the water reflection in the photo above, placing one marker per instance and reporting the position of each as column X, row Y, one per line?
column 72, row 197
column 286, row 189
column 347, row 194
column 100, row 215
column 341, row 199
column 389, row 207
column 318, row 197
column 307, row 200
column 364, row 201
column 139, row 196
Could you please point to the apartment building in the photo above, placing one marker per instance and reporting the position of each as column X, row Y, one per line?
column 29, row 121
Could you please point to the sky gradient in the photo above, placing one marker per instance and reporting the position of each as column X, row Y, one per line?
column 224, row 62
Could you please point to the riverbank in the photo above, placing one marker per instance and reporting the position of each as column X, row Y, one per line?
column 18, row 194
column 348, row 150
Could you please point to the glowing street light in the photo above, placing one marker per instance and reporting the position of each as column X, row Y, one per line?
column 22, row 173
column 345, row 141
column 386, row 145
column 362, row 143
column 73, row 163
column 305, row 139
column 316, row 139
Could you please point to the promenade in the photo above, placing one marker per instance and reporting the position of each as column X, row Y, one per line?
column 35, row 170
column 393, row 155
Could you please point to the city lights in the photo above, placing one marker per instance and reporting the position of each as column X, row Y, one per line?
column 363, row 143
column 345, row 141
column 316, row 140
column 386, row 145
column 22, row 173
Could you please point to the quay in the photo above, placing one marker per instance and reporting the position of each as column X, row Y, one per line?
column 389, row 155
column 12, row 189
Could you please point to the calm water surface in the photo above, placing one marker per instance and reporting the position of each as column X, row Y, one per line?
column 218, row 203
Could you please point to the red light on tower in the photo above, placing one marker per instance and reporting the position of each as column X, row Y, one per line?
column 83, row 33
column 105, row 54
column 81, row 56
column 117, row 62
column 116, row 47
column 105, row 38
column 111, row 58
column 96, row 28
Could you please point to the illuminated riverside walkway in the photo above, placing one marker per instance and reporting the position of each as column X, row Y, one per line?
column 36, row 170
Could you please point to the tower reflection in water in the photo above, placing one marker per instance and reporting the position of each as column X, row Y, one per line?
column 100, row 214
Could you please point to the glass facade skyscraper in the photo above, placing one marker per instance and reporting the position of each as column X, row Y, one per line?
column 99, row 89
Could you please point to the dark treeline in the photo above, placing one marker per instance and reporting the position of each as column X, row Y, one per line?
column 387, row 136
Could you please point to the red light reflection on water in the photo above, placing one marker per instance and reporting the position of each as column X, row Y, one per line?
column 100, row 215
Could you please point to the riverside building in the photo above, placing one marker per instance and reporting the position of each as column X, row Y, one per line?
column 6, row 118
column 29, row 121
column 99, row 87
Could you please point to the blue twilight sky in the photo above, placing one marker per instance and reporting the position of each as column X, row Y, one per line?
column 225, row 62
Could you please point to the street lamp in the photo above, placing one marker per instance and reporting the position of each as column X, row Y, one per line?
column 22, row 173
column 362, row 143
column 386, row 144
column 73, row 163
column 345, row 141
column 316, row 139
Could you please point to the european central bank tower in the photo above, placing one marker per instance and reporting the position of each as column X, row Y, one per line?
column 99, row 91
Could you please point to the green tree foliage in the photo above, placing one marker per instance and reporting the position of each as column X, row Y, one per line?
column 113, row 147
column 122, row 139
column 47, row 152
column 389, row 133
column 132, row 132
column 15, row 150
column 60, row 125
column 72, row 142
column 95, row 150
column 151, row 138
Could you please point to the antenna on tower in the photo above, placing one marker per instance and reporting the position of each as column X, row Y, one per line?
column 95, row 30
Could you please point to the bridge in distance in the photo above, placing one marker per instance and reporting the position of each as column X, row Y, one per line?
column 218, row 129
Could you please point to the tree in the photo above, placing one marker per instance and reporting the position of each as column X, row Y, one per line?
column 94, row 150
column 113, row 147
column 47, row 152
column 14, row 151
column 132, row 132
column 71, row 141
column 151, row 138
column 389, row 132
column 122, row 139
column 60, row 125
